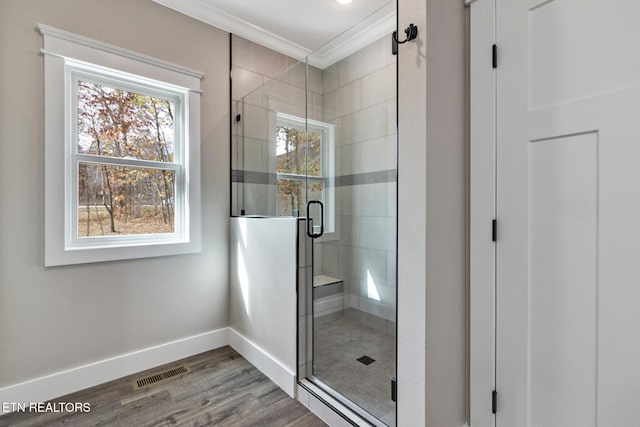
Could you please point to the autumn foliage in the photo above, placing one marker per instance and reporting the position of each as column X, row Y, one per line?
column 298, row 156
column 124, row 199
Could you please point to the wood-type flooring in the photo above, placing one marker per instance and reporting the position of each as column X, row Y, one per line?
column 222, row 389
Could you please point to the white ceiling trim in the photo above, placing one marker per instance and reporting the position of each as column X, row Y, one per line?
column 374, row 27
column 203, row 11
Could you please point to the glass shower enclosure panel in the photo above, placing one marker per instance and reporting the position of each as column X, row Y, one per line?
column 326, row 135
column 269, row 147
column 354, row 269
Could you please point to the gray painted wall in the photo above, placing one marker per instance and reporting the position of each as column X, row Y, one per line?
column 447, row 215
column 58, row 318
column 433, row 217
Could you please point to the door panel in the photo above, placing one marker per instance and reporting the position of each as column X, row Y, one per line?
column 562, row 284
column 568, row 209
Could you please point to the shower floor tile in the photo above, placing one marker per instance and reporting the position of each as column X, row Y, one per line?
column 338, row 344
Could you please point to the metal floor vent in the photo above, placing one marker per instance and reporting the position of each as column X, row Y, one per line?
column 160, row 377
column 366, row 360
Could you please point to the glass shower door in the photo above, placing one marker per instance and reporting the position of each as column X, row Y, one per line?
column 353, row 330
column 328, row 134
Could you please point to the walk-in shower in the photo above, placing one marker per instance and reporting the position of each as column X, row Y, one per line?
column 319, row 141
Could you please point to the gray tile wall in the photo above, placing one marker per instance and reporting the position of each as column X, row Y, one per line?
column 359, row 97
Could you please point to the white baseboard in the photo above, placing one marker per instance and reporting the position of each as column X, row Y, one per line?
column 75, row 379
column 284, row 377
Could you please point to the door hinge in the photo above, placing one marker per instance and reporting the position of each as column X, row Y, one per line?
column 494, row 230
column 494, row 401
column 494, row 56
column 394, row 389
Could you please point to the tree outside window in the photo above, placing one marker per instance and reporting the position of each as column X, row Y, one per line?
column 123, row 199
column 305, row 166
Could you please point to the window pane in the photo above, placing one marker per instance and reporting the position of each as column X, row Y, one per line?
column 116, row 200
column 316, row 191
column 291, row 195
column 119, row 123
column 313, row 154
column 291, row 152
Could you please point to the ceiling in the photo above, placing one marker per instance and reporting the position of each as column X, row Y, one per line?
column 322, row 30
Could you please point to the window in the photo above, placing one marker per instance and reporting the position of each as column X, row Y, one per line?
column 305, row 166
column 121, row 153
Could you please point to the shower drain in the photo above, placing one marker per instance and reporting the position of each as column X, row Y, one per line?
column 160, row 377
column 366, row 360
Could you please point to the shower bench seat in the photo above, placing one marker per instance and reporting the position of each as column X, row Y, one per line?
column 328, row 295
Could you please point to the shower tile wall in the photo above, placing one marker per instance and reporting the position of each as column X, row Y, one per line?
column 359, row 98
column 264, row 82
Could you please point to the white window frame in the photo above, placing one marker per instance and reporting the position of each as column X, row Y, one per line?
column 69, row 57
column 327, row 176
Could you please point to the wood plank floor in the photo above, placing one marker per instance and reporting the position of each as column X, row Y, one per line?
column 222, row 389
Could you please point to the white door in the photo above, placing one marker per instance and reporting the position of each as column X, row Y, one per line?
column 568, row 213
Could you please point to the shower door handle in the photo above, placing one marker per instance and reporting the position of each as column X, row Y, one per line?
column 310, row 229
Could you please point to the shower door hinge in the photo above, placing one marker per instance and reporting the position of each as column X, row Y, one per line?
column 494, row 401
column 494, row 230
column 494, row 56
column 394, row 389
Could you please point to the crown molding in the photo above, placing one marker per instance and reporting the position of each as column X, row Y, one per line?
column 377, row 25
column 205, row 12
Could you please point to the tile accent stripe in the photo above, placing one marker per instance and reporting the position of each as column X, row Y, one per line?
column 377, row 177
column 250, row 177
